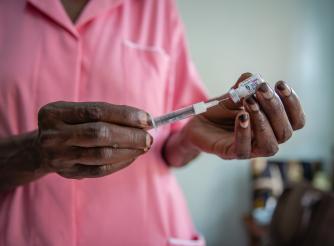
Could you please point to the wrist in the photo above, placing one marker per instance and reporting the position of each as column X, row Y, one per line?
column 179, row 150
column 38, row 166
column 20, row 160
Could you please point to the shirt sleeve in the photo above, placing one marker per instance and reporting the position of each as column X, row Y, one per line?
column 187, row 86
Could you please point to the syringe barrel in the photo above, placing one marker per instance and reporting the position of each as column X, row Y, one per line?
column 172, row 117
column 246, row 88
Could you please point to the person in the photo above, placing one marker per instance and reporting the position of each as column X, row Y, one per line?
column 77, row 162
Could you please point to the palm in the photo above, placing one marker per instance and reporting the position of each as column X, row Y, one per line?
column 253, row 129
column 215, row 135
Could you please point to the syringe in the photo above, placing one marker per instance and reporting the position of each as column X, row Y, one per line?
column 246, row 88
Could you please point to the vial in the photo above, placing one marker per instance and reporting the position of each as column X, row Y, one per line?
column 246, row 88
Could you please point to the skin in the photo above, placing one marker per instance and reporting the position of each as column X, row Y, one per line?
column 90, row 140
column 75, row 140
column 254, row 128
column 74, row 8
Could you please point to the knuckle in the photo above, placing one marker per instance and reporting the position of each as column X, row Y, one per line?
column 43, row 114
column 49, row 112
column 46, row 139
column 262, row 125
column 271, row 150
column 277, row 105
column 134, row 116
column 52, row 161
column 99, row 131
column 104, row 154
column 94, row 112
column 127, row 113
column 47, row 160
column 130, row 114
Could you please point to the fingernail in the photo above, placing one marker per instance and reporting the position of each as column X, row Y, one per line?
column 144, row 119
column 252, row 104
column 267, row 92
column 149, row 141
column 244, row 120
column 283, row 88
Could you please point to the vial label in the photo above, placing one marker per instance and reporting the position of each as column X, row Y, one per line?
column 249, row 86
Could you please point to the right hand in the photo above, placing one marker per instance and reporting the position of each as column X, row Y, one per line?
column 88, row 140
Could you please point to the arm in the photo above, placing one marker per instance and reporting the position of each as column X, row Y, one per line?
column 19, row 162
column 75, row 140
column 178, row 150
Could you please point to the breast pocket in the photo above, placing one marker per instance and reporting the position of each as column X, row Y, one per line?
column 145, row 75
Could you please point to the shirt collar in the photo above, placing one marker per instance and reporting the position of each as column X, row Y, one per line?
column 56, row 12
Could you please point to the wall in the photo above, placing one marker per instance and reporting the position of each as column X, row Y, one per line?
column 289, row 40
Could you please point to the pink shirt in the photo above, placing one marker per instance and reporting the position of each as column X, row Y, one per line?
column 129, row 52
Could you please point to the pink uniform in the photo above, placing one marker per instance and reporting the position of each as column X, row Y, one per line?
column 128, row 52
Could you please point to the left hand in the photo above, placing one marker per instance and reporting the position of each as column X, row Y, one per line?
column 252, row 129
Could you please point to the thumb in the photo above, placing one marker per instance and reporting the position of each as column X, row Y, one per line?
column 226, row 109
column 229, row 103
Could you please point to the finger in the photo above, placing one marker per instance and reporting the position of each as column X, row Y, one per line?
column 273, row 108
column 76, row 113
column 291, row 104
column 64, row 158
column 264, row 140
column 229, row 103
column 82, row 171
column 226, row 109
column 100, row 156
column 242, row 78
column 222, row 115
column 243, row 138
column 102, row 134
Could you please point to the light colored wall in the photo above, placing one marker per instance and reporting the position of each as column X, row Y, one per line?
column 290, row 40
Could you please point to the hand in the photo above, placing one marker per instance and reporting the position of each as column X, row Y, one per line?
column 253, row 129
column 84, row 140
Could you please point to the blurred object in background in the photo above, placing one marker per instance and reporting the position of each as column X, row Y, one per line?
column 271, row 177
column 289, row 40
column 304, row 216
column 332, row 166
column 269, row 180
column 320, row 179
column 267, row 186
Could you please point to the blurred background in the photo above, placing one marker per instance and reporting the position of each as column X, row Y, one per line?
column 288, row 40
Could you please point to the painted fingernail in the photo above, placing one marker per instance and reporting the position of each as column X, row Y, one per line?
column 267, row 92
column 252, row 104
column 283, row 88
column 244, row 120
